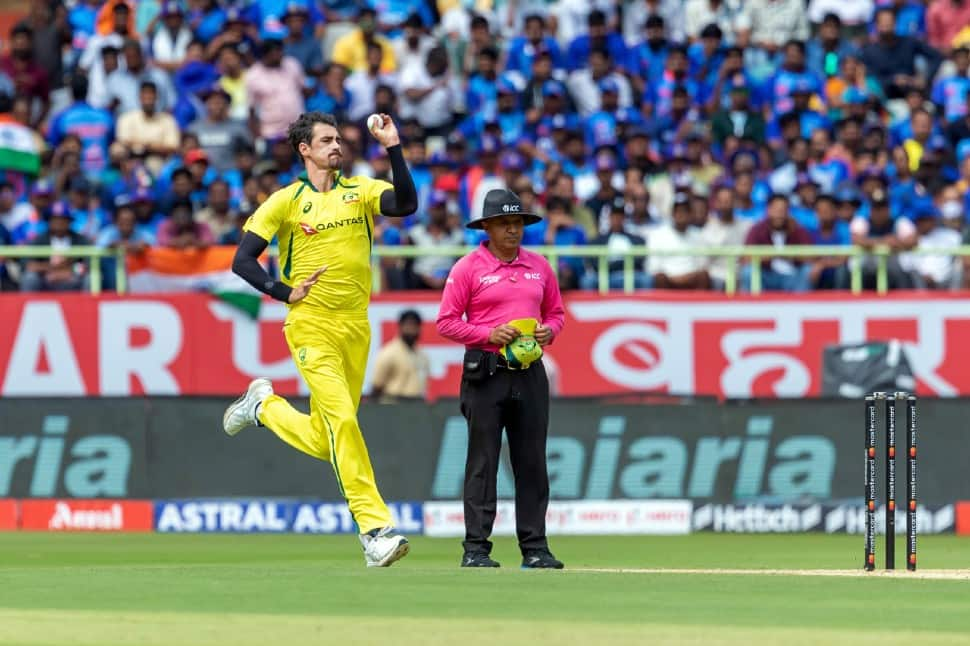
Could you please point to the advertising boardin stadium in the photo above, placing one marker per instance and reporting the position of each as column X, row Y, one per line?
column 771, row 452
column 704, row 344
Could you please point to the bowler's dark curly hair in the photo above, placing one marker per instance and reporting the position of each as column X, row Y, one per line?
column 301, row 130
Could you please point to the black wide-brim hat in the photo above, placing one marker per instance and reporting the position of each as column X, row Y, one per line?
column 500, row 202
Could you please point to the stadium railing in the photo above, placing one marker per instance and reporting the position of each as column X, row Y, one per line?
column 602, row 256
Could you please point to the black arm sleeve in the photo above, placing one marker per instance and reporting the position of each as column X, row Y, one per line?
column 403, row 200
column 246, row 264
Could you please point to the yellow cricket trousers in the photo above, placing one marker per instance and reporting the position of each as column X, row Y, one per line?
column 331, row 355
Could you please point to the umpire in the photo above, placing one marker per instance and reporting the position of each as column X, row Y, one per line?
column 503, row 304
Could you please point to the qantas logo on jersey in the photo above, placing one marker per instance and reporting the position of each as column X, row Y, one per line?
column 311, row 230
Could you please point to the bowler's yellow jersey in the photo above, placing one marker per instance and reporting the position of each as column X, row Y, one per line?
column 334, row 228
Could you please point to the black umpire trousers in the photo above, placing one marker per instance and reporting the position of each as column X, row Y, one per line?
column 518, row 401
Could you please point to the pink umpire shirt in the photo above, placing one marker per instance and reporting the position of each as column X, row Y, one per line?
column 489, row 293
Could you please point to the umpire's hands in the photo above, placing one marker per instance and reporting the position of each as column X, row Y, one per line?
column 543, row 334
column 503, row 335
column 300, row 291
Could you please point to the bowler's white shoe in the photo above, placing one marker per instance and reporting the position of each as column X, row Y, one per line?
column 242, row 412
column 384, row 548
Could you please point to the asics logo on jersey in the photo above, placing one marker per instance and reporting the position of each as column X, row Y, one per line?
column 307, row 207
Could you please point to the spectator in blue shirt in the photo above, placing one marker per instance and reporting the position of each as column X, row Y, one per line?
column 706, row 55
column 910, row 18
column 824, row 53
column 952, row 92
column 123, row 233
column 599, row 36
column 792, row 74
column 481, row 93
column 829, row 273
column 522, row 49
column 660, row 93
column 561, row 230
column 330, row 95
column 93, row 126
column 300, row 42
column 87, row 216
column 648, row 59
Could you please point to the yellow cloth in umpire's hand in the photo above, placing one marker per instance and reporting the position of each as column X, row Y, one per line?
column 525, row 350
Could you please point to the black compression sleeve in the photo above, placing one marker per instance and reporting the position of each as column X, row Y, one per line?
column 403, row 200
column 246, row 264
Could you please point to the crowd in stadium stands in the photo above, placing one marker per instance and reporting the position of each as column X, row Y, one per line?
column 676, row 124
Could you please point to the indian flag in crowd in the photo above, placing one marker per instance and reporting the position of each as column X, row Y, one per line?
column 183, row 270
column 18, row 148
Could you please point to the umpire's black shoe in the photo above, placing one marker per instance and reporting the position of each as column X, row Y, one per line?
column 478, row 559
column 540, row 560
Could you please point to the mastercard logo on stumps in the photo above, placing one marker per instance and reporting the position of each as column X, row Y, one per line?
column 525, row 350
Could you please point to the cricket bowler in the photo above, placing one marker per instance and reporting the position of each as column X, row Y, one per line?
column 325, row 224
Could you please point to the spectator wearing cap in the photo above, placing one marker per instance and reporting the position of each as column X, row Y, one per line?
column 604, row 126
column 147, row 131
column 950, row 94
column 124, row 84
column 524, row 48
column 330, row 95
column 218, row 213
column 619, row 241
column 825, row 52
column 480, row 92
column 586, row 85
column 363, row 84
column 428, row 93
column 598, row 36
column 731, row 16
column 880, row 228
column 944, row 20
column 778, row 229
column 56, row 273
column 892, row 58
column 40, row 200
column 181, row 231
column 677, row 272
column 274, row 88
column 94, row 127
column 351, row 49
column 171, row 37
column 219, row 135
column 722, row 229
column 401, row 368
column 30, row 79
column 439, row 230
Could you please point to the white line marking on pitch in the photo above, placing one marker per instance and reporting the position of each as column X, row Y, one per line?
column 902, row 574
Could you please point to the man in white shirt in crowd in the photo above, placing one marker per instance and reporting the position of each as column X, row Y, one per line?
column 671, row 271
column 722, row 229
column 362, row 84
column 935, row 272
column 427, row 94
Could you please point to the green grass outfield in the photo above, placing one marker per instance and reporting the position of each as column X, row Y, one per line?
column 106, row 589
